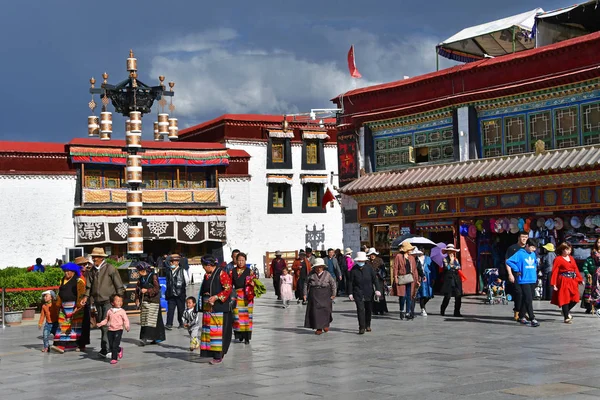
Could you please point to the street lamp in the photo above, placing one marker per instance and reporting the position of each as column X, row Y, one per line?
column 132, row 98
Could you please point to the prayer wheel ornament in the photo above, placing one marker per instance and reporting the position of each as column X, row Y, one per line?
column 93, row 127
column 135, row 239
column 131, row 62
column 163, row 124
column 157, row 136
column 134, row 204
column 173, row 129
column 105, row 125
column 134, row 168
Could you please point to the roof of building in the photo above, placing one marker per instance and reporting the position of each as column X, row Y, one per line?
column 472, row 67
column 254, row 119
column 584, row 157
column 149, row 144
column 31, row 147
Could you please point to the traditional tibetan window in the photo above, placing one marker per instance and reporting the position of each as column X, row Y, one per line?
column 566, row 125
column 149, row 178
column 491, row 134
column 313, row 187
column 590, row 117
column 93, row 179
column 540, row 128
column 515, row 131
column 165, row 180
column 280, row 196
column 112, row 179
column 313, row 153
column 279, row 150
column 197, row 180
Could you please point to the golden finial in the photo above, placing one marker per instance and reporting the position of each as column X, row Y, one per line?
column 92, row 81
column 161, row 78
column 130, row 53
column 105, row 77
column 171, row 85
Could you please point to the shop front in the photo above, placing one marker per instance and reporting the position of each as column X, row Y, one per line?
column 482, row 205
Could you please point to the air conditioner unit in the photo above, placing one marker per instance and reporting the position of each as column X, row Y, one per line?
column 71, row 253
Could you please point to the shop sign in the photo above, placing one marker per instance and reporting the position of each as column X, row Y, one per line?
column 584, row 195
column 550, row 197
column 442, row 206
column 424, row 207
column 408, row 209
column 371, row 211
column 472, row 202
column 510, row 200
column 490, row 201
column 567, row 196
column 532, row 199
column 389, row 210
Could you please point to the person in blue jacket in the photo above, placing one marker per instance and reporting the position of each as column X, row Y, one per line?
column 523, row 271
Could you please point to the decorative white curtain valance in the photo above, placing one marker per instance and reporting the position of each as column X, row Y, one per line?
column 281, row 134
column 314, row 179
column 152, row 218
column 315, row 135
column 285, row 179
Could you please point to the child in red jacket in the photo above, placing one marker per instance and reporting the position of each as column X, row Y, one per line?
column 116, row 319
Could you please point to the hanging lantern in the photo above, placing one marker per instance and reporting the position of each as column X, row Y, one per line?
column 135, row 239
column 163, row 124
column 93, row 127
column 105, row 125
column 134, row 168
column 134, row 139
column 135, row 119
column 173, row 129
column 157, row 136
column 134, row 204
column 131, row 62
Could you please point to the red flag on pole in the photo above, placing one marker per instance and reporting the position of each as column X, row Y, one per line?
column 327, row 197
column 352, row 64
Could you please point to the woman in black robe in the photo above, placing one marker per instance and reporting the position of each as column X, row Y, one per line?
column 319, row 291
column 148, row 299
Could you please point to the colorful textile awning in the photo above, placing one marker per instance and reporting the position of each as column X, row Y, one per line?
column 106, row 155
column 315, row 135
column 281, row 134
column 285, row 179
column 314, row 179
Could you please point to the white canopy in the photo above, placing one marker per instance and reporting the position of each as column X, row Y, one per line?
column 567, row 23
column 504, row 36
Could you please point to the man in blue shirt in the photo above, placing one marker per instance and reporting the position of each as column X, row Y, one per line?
column 523, row 265
column 38, row 267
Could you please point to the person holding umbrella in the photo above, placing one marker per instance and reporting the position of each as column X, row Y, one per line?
column 452, row 286
column 405, row 278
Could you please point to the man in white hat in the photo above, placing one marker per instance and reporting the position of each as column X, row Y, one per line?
column 103, row 281
column 363, row 280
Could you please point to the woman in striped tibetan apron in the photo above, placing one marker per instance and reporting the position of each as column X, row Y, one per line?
column 243, row 284
column 148, row 299
column 70, row 314
column 217, row 317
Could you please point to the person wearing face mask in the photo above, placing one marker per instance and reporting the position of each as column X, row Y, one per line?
column 428, row 277
column 364, row 284
column 177, row 280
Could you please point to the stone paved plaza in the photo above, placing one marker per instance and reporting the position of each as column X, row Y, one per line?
column 481, row 356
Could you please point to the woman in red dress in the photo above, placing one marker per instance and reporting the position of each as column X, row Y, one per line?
column 565, row 280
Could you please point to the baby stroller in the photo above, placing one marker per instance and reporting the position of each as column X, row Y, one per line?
column 495, row 287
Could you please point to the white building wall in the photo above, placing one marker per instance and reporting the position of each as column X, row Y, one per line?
column 252, row 230
column 35, row 218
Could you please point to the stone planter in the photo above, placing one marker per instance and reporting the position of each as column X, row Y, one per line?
column 29, row 313
column 13, row 317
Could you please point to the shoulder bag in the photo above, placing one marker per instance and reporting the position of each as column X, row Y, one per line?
column 405, row 279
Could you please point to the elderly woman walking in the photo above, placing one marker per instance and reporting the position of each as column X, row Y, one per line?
column 319, row 291
column 242, row 278
column 148, row 300
column 217, row 319
column 70, row 313
column 405, row 279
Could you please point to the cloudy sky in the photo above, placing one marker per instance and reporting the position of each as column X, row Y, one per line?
column 262, row 56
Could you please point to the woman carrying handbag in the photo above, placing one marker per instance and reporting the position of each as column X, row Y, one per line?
column 405, row 279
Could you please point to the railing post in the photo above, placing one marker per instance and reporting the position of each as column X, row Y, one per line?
column 3, row 325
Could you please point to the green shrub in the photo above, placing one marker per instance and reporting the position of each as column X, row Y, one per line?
column 18, row 278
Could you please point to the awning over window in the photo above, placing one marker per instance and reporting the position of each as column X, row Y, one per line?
column 281, row 134
column 107, row 155
column 496, row 38
column 285, row 179
column 315, row 135
column 314, row 179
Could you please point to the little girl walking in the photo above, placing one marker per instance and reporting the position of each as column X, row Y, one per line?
column 191, row 321
column 116, row 319
column 287, row 294
column 48, row 318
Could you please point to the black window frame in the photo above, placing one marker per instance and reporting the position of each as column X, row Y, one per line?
column 320, row 165
column 287, row 199
column 287, row 154
column 305, row 192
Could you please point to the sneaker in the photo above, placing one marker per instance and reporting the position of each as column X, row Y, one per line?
column 568, row 321
column 361, row 331
column 534, row 323
column 168, row 327
column 423, row 313
column 102, row 354
column 58, row 349
column 120, row 353
column 215, row 361
column 113, row 361
column 523, row 321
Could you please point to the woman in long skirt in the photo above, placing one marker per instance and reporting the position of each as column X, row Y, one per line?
column 217, row 317
column 319, row 291
column 243, row 284
column 565, row 281
column 148, row 299
column 379, row 305
column 84, row 339
column 70, row 314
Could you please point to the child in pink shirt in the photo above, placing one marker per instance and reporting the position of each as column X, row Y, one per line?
column 116, row 319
